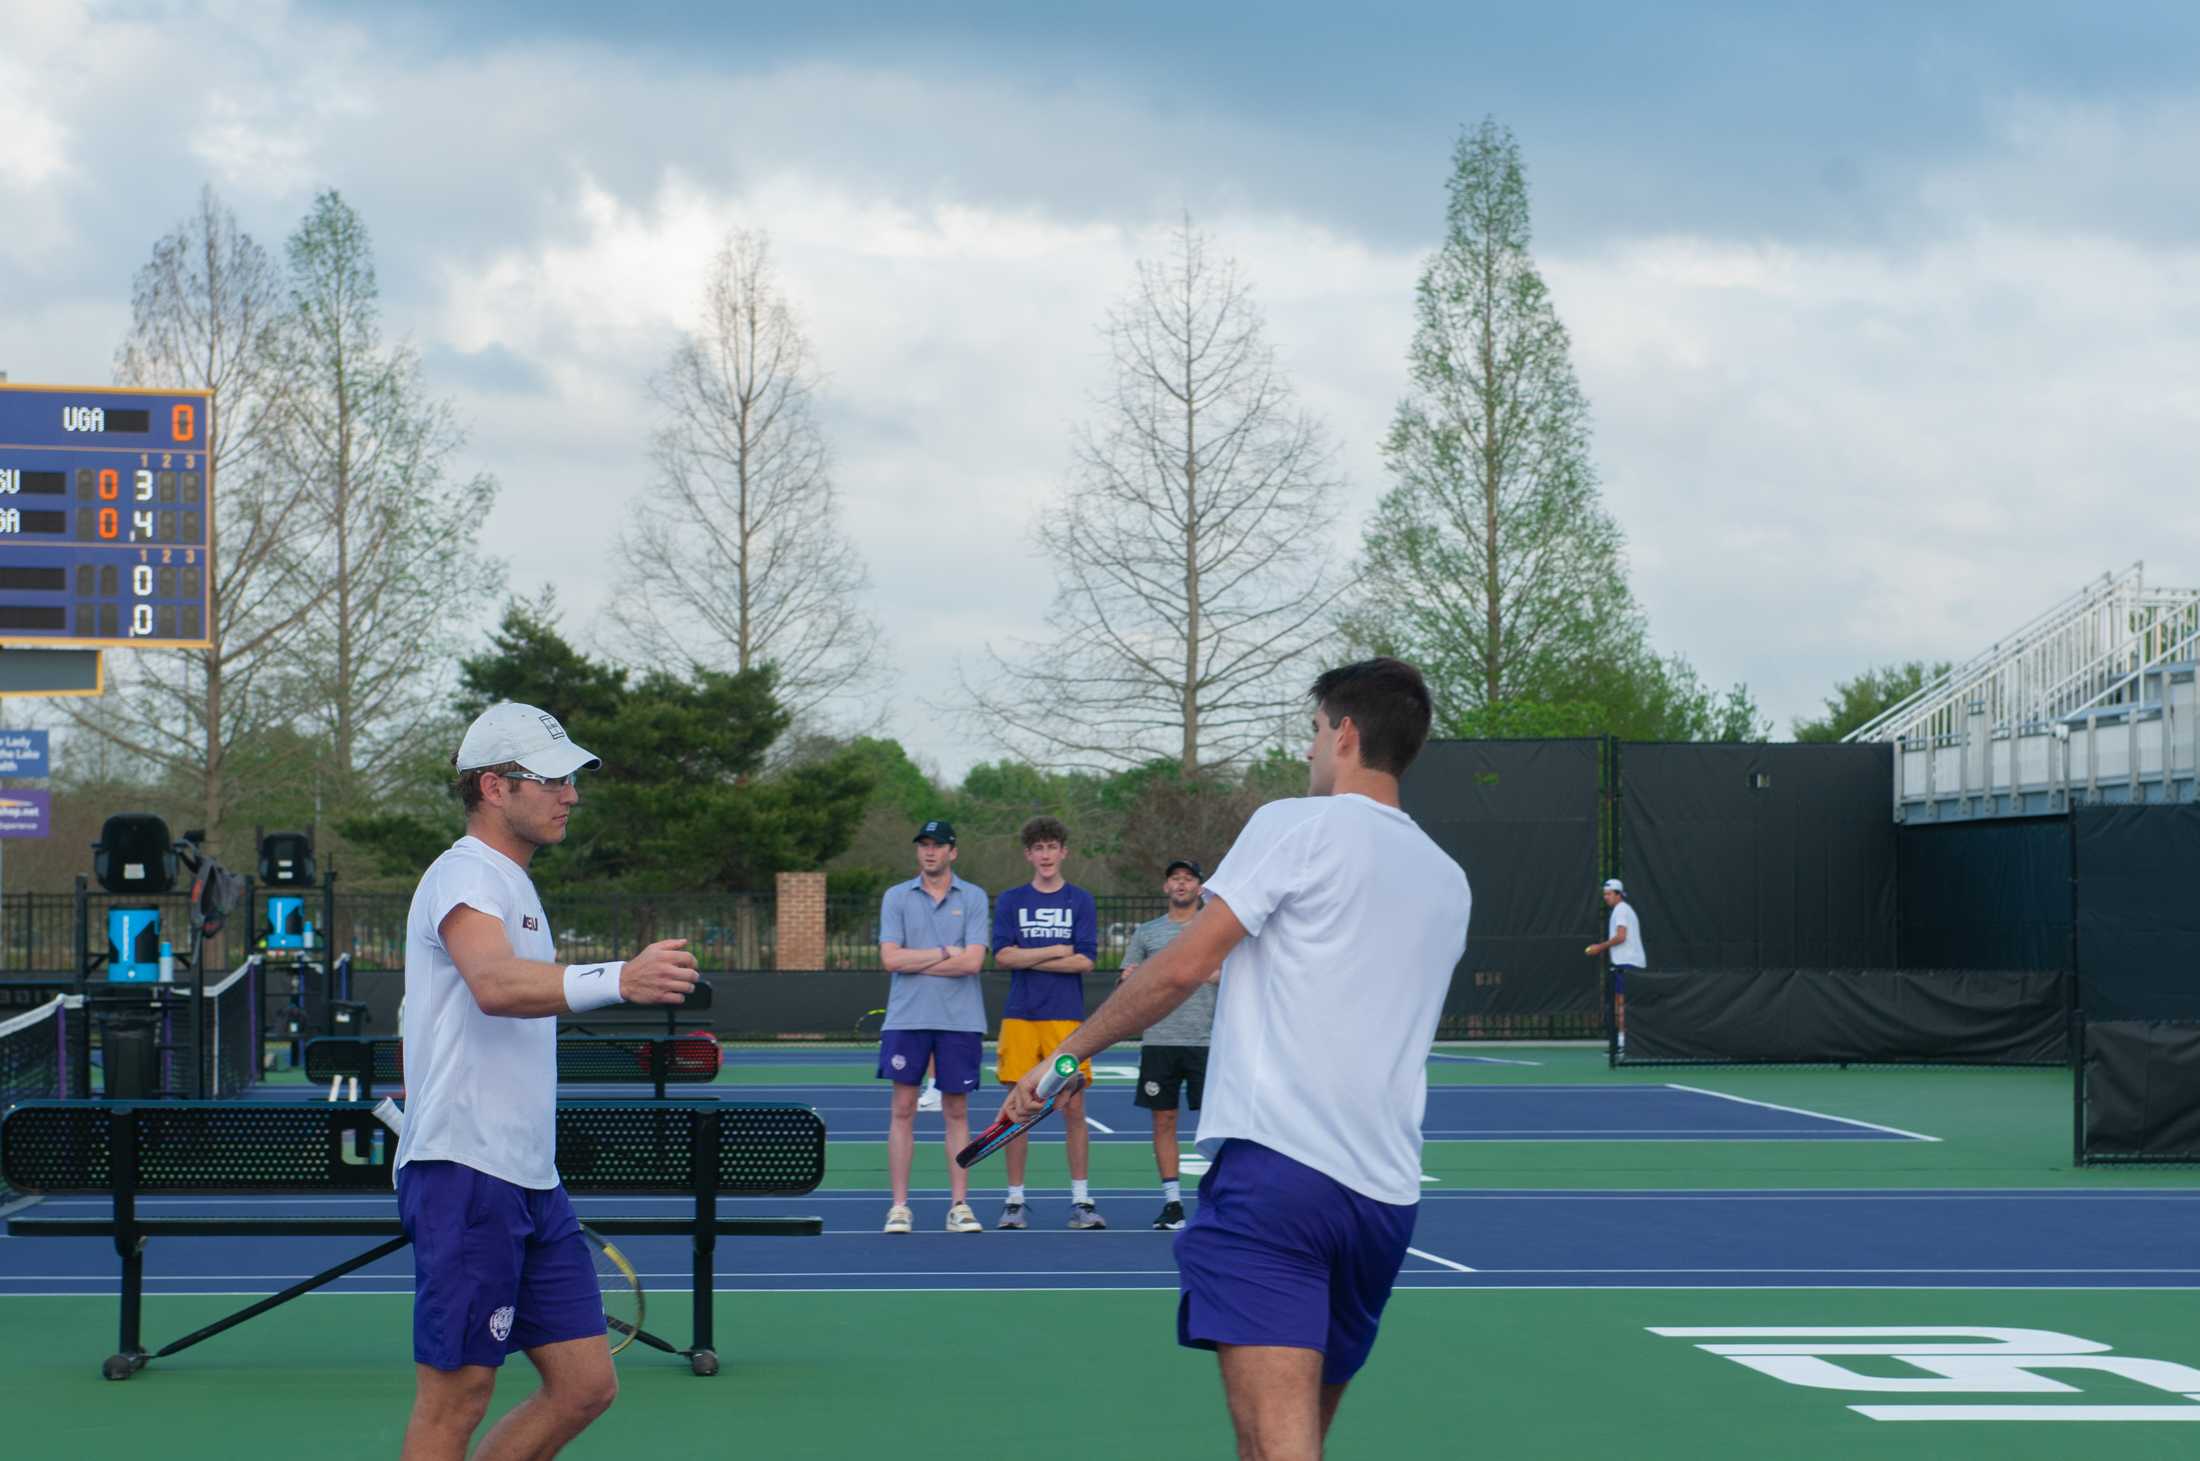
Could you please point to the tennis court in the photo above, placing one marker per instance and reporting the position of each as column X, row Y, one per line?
column 1974, row 1293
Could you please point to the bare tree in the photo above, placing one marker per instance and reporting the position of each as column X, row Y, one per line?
column 1189, row 544
column 370, row 452
column 204, row 311
column 741, row 552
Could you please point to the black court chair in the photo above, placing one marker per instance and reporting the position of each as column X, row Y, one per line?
column 704, row 1149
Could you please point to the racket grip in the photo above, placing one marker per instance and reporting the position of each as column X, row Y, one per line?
column 1059, row 1070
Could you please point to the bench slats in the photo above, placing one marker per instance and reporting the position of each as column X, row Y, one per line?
column 211, row 1147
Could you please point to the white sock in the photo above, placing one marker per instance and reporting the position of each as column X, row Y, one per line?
column 1015, row 1194
column 1172, row 1191
column 930, row 1084
column 1080, row 1190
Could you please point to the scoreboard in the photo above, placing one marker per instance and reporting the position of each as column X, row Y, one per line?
column 106, row 517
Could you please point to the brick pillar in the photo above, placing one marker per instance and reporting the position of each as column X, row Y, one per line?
column 801, row 921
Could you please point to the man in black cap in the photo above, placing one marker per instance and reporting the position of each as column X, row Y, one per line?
column 933, row 933
column 1173, row 1053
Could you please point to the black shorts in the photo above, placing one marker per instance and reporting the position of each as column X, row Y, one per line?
column 1164, row 1068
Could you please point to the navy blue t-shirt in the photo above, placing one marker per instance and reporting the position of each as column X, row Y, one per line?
column 1026, row 918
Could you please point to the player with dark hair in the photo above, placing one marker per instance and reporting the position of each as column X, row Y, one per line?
column 1336, row 924
column 1172, row 1054
column 1048, row 933
column 499, row 1263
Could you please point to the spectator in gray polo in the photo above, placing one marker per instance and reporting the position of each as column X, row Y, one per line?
column 933, row 933
column 1172, row 1055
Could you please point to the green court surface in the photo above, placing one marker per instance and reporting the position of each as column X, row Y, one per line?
column 1457, row 1374
column 1466, row 1367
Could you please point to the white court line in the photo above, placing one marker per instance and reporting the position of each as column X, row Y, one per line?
column 1481, row 1059
column 1096, row 1126
column 1801, row 1111
column 1419, row 1283
column 1627, row 1133
column 1440, row 1262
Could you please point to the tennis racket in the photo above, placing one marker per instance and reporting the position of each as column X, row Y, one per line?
column 1063, row 1078
column 624, row 1306
column 869, row 1026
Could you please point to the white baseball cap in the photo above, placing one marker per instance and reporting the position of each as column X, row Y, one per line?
column 515, row 732
column 1611, row 885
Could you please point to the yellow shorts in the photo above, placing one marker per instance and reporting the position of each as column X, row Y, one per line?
column 1024, row 1043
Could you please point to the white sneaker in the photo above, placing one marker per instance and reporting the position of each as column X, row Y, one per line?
column 929, row 1099
column 960, row 1219
column 899, row 1219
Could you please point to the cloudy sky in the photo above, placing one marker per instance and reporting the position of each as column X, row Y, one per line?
column 1889, row 316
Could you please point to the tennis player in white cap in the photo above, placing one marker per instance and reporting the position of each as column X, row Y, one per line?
column 499, row 1263
column 1623, row 941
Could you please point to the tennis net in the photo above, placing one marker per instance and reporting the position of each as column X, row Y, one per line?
column 34, row 1054
column 233, row 1031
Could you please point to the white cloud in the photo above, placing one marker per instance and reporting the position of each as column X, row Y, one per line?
column 1824, row 456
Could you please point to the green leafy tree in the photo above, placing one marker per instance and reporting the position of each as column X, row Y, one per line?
column 682, row 802
column 1491, row 562
column 1857, row 701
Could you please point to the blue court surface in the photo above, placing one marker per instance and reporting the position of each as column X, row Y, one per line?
column 1539, row 1113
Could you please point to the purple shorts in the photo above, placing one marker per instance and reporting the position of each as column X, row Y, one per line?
column 1279, row 1254
column 496, row 1267
column 955, row 1054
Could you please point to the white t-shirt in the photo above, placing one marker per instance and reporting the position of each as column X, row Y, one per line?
column 1628, row 955
column 1327, row 1010
column 480, row 1089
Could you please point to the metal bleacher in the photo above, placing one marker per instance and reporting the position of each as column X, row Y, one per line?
column 2092, row 702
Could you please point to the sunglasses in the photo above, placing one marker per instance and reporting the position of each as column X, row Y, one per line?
column 547, row 783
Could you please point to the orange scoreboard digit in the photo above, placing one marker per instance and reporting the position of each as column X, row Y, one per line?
column 106, row 517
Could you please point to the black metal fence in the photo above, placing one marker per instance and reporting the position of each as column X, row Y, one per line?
column 38, row 931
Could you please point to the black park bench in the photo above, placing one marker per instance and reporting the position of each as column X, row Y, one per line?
column 655, row 1060
column 706, row 1149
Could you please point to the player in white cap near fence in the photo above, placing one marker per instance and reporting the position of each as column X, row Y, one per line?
column 1623, row 941
column 499, row 1263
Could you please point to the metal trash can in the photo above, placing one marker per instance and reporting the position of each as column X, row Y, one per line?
column 130, row 1052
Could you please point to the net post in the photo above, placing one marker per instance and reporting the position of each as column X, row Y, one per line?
column 328, row 938
column 80, row 1038
column 201, row 1056
column 704, row 1152
column 122, row 1157
column 2077, row 1088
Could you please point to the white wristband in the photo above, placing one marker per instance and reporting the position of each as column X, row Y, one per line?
column 592, row 986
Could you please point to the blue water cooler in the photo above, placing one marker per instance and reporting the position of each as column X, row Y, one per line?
column 133, row 945
column 286, row 921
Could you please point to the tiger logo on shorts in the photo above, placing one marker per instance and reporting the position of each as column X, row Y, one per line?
column 500, row 1324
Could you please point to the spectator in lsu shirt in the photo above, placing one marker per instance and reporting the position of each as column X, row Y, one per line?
column 1046, row 932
